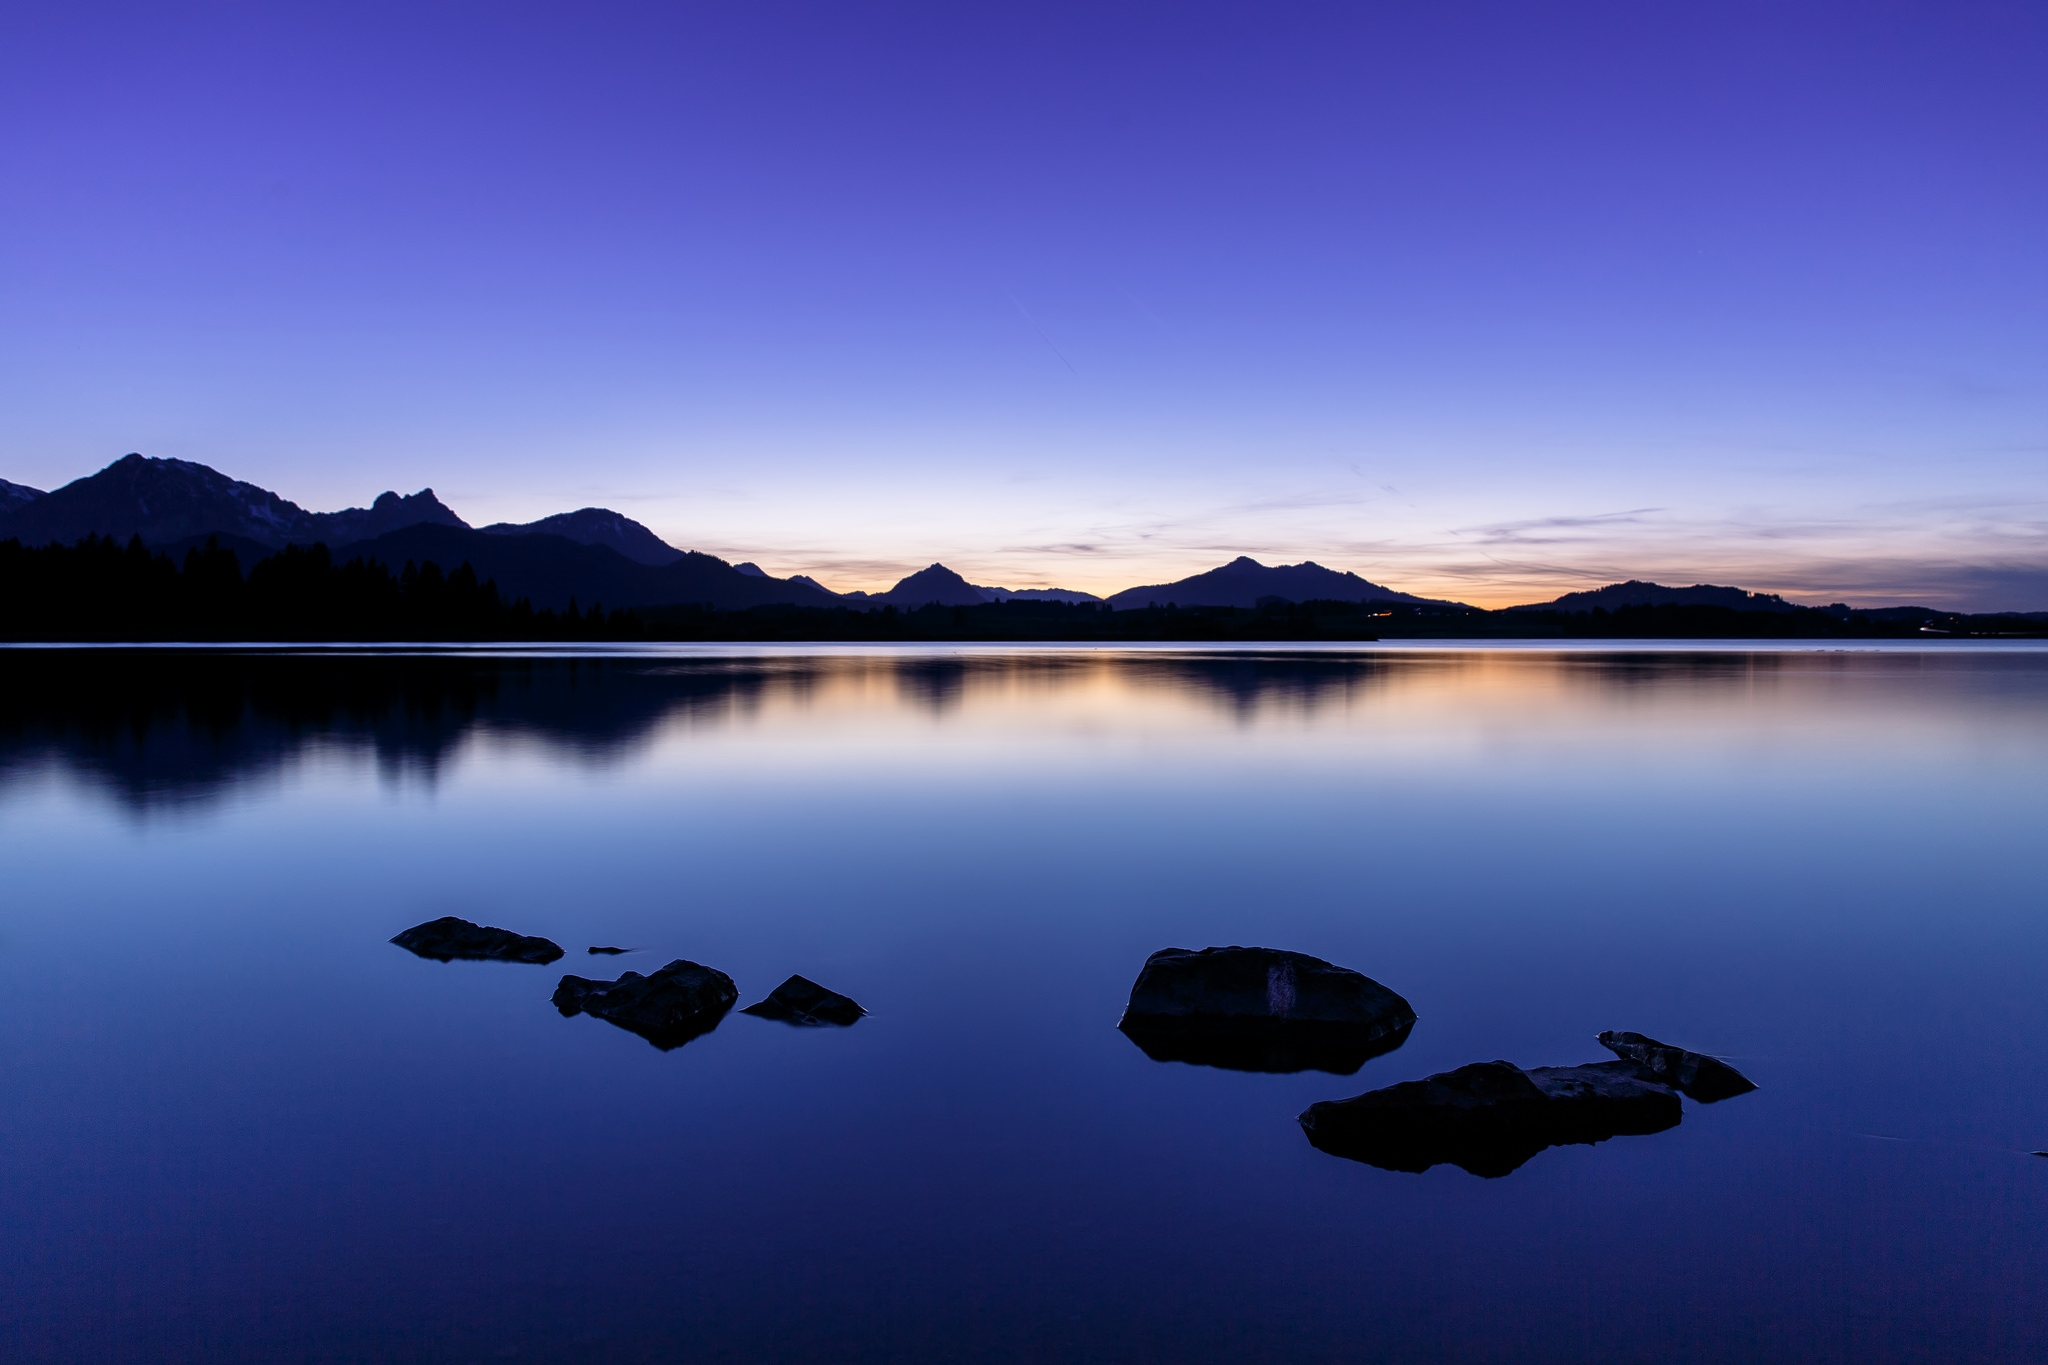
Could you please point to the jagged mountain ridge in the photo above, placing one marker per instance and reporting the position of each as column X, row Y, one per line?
column 171, row 502
column 165, row 500
column 589, row 555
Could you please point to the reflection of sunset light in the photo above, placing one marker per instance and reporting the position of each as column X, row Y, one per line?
column 1433, row 711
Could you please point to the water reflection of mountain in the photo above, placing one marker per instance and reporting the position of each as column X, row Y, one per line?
column 1239, row 681
column 1245, row 682
column 157, row 727
column 163, row 726
column 166, row 726
column 939, row 685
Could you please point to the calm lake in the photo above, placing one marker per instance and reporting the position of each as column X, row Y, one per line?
column 237, row 1124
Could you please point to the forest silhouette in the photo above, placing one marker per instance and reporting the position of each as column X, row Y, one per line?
column 99, row 590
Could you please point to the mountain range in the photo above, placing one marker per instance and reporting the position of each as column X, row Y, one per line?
column 590, row 555
column 171, row 500
column 597, row 555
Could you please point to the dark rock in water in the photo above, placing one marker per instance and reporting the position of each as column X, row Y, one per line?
column 668, row 1008
column 613, row 952
column 1597, row 1085
column 1490, row 1117
column 1261, row 1009
column 1696, row 1075
column 800, row 1000
column 448, row 938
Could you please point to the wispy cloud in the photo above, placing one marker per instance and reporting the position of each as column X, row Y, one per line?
column 1555, row 530
column 1961, row 549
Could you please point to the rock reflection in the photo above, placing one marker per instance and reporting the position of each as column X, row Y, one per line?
column 1276, row 1046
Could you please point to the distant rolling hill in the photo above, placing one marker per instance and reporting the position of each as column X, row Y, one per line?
column 1067, row 595
column 941, row 586
column 549, row 570
column 1636, row 593
column 597, row 526
column 1244, row 581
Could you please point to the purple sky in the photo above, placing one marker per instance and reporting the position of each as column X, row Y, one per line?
column 1487, row 301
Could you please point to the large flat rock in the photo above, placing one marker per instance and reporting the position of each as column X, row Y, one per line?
column 1262, row 1009
column 1489, row 1118
column 448, row 938
column 668, row 1008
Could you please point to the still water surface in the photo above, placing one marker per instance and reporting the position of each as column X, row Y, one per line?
column 236, row 1124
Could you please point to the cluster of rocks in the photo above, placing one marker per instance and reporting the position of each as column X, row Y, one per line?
column 1490, row 1117
column 669, row 1007
column 1244, row 1009
column 1262, row 1009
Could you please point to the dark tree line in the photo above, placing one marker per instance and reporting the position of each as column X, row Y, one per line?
column 98, row 590
column 1015, row 620
column 1277, row 620
column 1726, row 623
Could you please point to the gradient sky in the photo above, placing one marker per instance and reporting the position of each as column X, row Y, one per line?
column 1487, row 301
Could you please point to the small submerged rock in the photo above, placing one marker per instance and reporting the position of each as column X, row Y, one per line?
column 448, row 938
column 1696, row 1075
column 802, row 1001
column 1490, row 1117
column 668, row 1008
column 1262, row 1009
column 609, row 952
